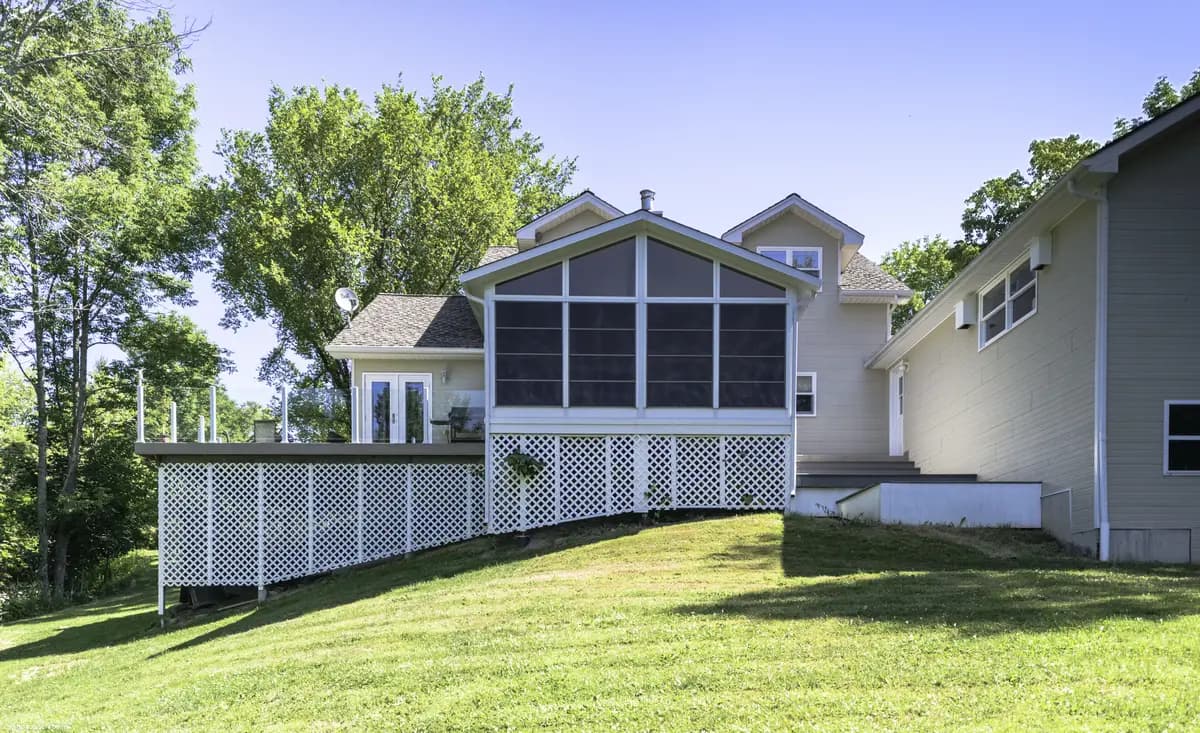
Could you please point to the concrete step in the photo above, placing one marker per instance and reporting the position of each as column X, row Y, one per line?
column 860, row 481
column 860, row 467
column 849, row 458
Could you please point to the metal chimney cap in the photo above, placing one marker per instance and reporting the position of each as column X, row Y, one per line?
column 647, row 198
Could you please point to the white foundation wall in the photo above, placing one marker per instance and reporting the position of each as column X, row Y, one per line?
column 962, row 504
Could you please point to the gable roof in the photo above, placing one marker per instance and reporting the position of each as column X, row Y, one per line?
column 1082, row 183
column 586, row 201
column 795, row 204
column 394, row 322
column 640, row 220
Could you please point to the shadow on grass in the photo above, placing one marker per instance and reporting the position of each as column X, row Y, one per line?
column 906, row 575
column 316, row 593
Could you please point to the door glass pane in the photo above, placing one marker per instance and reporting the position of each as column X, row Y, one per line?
column 381, row 412
column 606, row 271
column 414, row 412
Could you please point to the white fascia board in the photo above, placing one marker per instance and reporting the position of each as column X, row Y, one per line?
column 635, row 222
column 1108, row 158
column 414, row 352
column 849, row 235
column 893, row 297
column 584, row 201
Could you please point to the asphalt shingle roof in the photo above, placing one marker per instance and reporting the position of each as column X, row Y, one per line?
column 491, row 254
column 863, row 274
column 420, row 321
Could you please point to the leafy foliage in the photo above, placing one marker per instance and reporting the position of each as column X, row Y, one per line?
column 926, row 265
column 402, row 195
column 1161, row 97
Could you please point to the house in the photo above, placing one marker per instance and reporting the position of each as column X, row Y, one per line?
column 1068, row 352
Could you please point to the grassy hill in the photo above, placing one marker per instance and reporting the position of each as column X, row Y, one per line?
column 742, row 622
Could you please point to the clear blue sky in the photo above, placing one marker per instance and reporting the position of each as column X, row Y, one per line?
column 885, row 116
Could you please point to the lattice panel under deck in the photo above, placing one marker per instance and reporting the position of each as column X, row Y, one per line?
column 285, row 521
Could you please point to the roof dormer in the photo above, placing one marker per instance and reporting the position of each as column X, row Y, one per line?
column 847, row 237
column 582, row 212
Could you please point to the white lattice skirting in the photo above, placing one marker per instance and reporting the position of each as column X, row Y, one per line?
column 597, row 475
column 255, row 523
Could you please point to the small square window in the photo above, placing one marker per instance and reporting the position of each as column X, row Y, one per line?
column 804, row 259
column 1181, row 452
column 806, row 394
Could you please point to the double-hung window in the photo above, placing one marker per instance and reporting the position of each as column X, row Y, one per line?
column 806, row 394
column 804, row 259
column 1181, row 437
column 1007, row 302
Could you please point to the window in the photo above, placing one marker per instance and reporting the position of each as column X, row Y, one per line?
column 673, row 273
column 735, row 284
column 606, row 271
column 679, row 354
column 1181, row 449
column 601, row 367
column 806, row 394
column 547, row 281
column 753, row 355
column 1007, row 302
column 528, row 353
column 804, row 259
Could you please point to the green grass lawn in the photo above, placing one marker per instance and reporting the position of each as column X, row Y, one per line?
column 742, row 623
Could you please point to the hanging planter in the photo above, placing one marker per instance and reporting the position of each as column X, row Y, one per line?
column 523, row 465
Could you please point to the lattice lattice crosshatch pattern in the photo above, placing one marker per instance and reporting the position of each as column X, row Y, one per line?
column 245, row 523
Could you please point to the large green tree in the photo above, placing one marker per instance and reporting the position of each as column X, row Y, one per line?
column 401, row 195
column 96, row 181
column 926, row 265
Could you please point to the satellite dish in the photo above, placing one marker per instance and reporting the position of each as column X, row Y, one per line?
column 346, row 299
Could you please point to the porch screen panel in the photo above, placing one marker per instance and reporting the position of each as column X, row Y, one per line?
column 602, row 364
column 528, row 354
column 753, row 355
column 679, row 354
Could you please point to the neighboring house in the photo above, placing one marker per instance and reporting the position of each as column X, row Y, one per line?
column 1068, row 352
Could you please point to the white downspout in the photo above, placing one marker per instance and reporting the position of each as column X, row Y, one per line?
column 1100, row 378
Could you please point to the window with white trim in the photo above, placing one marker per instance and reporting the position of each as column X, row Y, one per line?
column 1181, row 437
column 804, row 259
column 806, row 394
column 1007, row 302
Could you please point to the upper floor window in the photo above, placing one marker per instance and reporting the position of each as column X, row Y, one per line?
column 1007, row 302
column 1181, row 429
column 804, row 259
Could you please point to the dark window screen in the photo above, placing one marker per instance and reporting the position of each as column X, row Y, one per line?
column 528, row 354
column 602, row 369
column 607, row 271
column 679, row 354
column 547, row 281
column 753, row 355
column 673, row 273
column 736, row 284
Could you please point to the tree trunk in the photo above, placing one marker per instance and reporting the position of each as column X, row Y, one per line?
column 43, row 437
column 82, row 333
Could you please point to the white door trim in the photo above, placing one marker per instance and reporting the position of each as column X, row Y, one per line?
column 397, row 427
column 895, row 409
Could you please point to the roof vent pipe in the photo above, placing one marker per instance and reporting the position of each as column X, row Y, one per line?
column 647, row 199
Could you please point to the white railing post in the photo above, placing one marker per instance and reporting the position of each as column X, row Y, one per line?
column 355, row 437
column 141, row 409
column 208, row 523
column 358, row 520
column 200, row 430
column 309, row 522
column 174, row 424
column 162, row 600
column 283, row 413
column 212, row 413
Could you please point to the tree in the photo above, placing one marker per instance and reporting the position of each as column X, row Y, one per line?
column 926, row 265
column 1161, row 97
column 402, row 196
column 95, row 195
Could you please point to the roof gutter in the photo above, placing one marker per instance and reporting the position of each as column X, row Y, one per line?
column 1100, row 376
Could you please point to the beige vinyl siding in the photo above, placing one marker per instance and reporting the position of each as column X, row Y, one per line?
column 833, row 340
column 583, row 220
column 1154, row 329
column 461, row 374
column 1022, row 408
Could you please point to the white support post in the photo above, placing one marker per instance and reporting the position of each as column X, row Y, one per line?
column 174, row 424
column 141, row 409
column 212, row 413
column 468, row 480
column 608, row 487
column 283, row 413
column 200, row 430
column 721, row 443
column 262, row 588
column 641, row 472
column 523, row 493
column 162, row 600
column 355, row 428
column 674, row 471
column 557, row 479
column 309, row 521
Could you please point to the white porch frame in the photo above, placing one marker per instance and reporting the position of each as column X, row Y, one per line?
column 397, row 421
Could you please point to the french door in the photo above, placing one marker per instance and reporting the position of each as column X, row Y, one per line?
column 397, row 407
